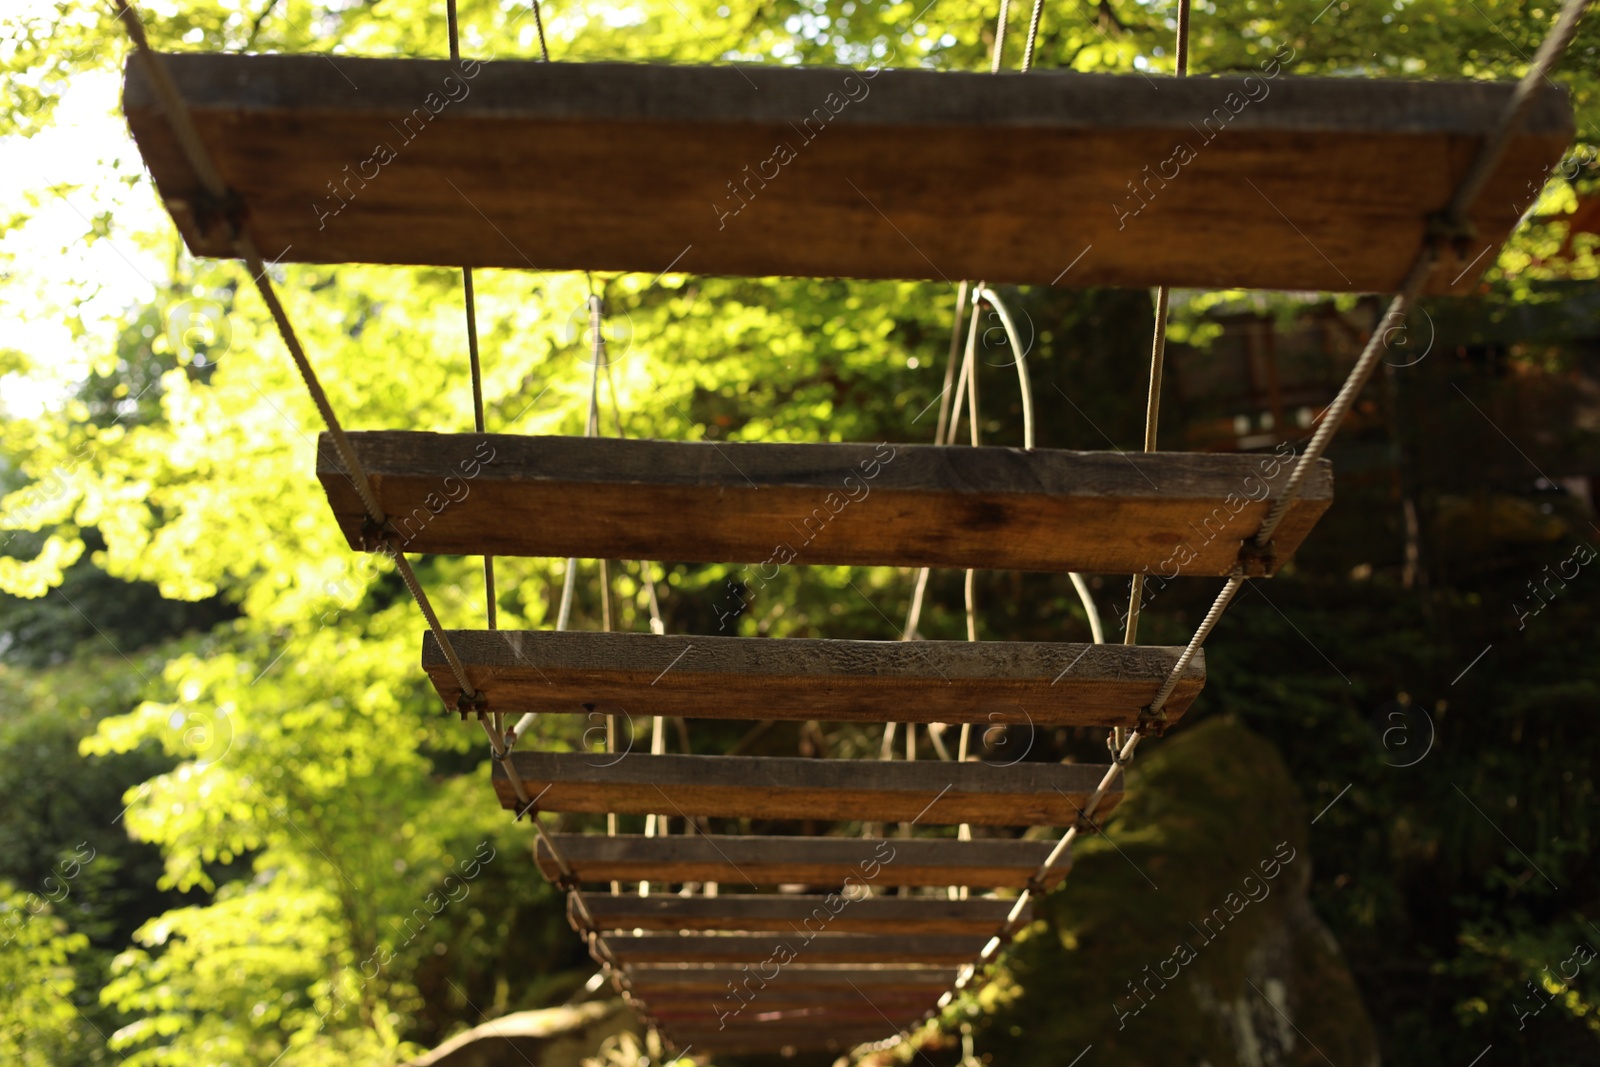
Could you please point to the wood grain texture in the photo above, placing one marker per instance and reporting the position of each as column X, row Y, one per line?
column 822, row 862
column 773, row 1037
column 796, row 977
column 771, row 1019
column 767, row 949
column 786, row 913
column 1031, row 683
column 771, row 505
column 700, row 1003
column 929, row 792
column 1289, row 183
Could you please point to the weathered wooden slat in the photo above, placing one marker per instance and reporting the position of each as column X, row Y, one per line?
column 768, row 169
column 816, row 861
column 699, row 1003
column 823, row 1020
column 987, row 682
column 767, row 504
column 795, row 978
column 784, row 913
column 929, row 792
column 783, row 1034
column 779, row 950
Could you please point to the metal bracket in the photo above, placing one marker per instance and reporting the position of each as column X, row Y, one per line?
column 210, row 214
column 375, row 538
column 1454, row 230
column 1255, row 562
column 1151, row 723
column 472, row 704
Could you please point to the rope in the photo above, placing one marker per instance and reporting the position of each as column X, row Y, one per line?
column 1033, row 35
column 1158, row 357
column 1036, row 884
column 1090, row 610
column 1489, row 156
column 950, row 366
column 182, row 125
column 490, row 608
column 1020, row 362
column 1000, row 36
column 591, row 428
column 538, row 21
column 1410, row 289
column 564, row 613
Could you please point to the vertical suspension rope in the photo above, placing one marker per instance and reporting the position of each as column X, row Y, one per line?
column 1158, row 357
column 491, row 611
column 181, row 123
column 950, row 366
column 1033, row 35
column 1000, row 37
column 1122, row 747
column 538, row 21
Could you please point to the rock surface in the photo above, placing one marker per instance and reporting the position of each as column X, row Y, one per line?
column 1184, row 935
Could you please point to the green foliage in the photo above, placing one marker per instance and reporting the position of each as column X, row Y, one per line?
column 38, row 1021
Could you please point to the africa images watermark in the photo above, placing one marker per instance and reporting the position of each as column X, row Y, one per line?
column 452, row 489
column 1582, row 554
column 854, row 89
column 56, row 888
column 454, row 88
column 786, row 952
column 1211, row 927
column 368, row 970
column 1254, row 489
column 809, row 528
column 1183, row 153
column 1582, row 955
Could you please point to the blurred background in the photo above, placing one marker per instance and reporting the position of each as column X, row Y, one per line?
column 226, row 789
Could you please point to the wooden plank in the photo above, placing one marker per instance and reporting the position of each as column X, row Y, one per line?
column 775, row 1038
column 698, row 1003
column 770, row 169
column 796, row 977
column 987, row 682
column 929, row 792
column 783, row 912
column 814, row 948
column 816, row 861
column 823, row 1021
column 771, row 504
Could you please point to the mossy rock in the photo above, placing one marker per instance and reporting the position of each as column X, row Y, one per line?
column 1184, row 935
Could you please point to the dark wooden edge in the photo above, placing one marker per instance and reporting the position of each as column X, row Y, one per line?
column 633, row 92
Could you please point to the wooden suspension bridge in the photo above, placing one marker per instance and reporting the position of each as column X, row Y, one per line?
column 1406, row 186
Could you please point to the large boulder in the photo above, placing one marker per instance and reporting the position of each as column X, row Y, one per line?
column 1184, row 935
